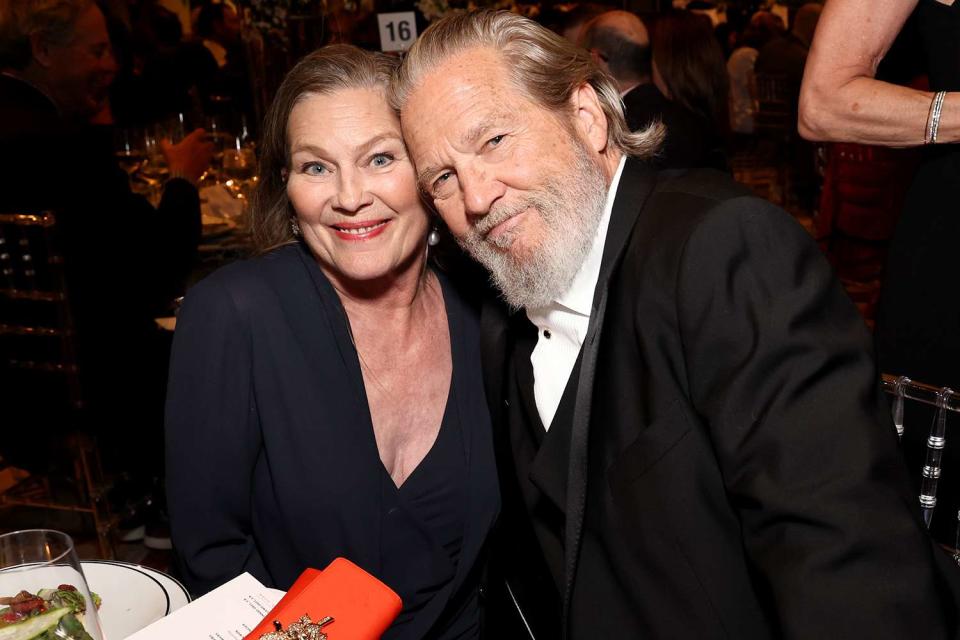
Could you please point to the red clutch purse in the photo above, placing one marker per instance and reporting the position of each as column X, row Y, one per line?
column 346, row 601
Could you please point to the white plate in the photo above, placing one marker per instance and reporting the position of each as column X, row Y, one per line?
column 132, row 598
column 179, row 596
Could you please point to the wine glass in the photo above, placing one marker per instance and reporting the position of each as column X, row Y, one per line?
column 44, row 590
column 128, row 148
column 222, row 140
column 239, row 166
column 173, row 128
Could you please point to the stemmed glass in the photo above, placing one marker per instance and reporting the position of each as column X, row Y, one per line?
column 128, row 148
column 43, row 588
column 218, row 133
column 239, row 167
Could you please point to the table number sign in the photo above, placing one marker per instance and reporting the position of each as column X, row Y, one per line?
column 397, row 30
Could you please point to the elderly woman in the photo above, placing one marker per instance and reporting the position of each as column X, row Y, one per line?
column 326, row 397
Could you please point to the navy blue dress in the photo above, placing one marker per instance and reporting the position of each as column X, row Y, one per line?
column 272, row 463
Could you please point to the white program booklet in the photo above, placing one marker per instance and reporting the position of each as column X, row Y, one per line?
column 229, row 612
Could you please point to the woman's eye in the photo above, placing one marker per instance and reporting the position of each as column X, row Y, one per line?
column 381, row 160
column 314, row 169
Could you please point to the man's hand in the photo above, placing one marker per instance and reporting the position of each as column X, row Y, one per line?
column 190, row 157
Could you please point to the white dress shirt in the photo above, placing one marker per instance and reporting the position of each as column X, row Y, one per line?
column 562, row 324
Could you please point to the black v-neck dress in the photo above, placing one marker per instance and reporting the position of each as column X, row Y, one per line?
column 273, row 465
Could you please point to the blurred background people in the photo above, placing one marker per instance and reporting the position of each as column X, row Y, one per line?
column 224, row 78
column 571, row 23
column 125, row 260
column 690, row 71
column 619, row 43
column 786, row 54
column 741, row 65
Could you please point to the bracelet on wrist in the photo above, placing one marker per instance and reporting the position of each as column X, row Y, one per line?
column 933, row 118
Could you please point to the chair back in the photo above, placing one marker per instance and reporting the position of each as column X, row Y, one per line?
column 946, row 402
column 38, row 370
column 36, row 325
column 777, row 98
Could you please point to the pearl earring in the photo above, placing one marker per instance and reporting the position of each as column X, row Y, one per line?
column 433, row 238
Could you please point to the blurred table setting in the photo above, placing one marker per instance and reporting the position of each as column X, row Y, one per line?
column 225, row 188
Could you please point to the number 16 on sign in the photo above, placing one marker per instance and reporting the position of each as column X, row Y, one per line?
column 397, row 30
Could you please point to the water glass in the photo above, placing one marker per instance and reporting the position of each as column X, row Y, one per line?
column 44, row 563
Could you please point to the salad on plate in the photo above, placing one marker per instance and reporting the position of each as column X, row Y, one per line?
column 50, row 614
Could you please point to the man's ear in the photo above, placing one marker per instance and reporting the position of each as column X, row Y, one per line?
column 589, row 117
column 41, row 50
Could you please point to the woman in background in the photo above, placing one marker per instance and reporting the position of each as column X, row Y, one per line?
column 326, row 397
column 689, row 69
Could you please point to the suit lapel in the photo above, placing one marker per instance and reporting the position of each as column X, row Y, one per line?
column 494, row 319
column 636, row 183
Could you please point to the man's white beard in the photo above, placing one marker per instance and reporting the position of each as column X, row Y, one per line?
column 570, row 210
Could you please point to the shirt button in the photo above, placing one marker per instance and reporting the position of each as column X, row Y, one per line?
column 547, row 334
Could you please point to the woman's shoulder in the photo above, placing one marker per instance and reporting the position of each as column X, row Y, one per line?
column 253, row 281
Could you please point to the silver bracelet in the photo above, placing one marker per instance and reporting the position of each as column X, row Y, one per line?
column 933, row 118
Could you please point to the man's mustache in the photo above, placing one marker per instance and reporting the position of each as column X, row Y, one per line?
column 501, row 213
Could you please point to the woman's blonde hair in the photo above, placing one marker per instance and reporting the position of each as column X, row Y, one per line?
column 541, row 64
column 325, row 71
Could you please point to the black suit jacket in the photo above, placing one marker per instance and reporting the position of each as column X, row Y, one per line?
column 732, row 471
column 272, row 466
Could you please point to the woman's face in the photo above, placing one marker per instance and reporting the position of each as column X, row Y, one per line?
column 353, row 188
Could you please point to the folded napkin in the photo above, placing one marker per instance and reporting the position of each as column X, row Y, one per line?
column 218, row 203
column 361, row 606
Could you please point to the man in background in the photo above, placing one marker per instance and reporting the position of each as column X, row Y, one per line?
column 619, row 43
column 125, row 261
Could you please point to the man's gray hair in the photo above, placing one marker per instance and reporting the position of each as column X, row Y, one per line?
column 20, row 20
column 541, row 64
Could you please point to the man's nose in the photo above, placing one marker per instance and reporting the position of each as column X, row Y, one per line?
column 109, row 61
column 480, row 190
column 352, row 194
column 109, row 66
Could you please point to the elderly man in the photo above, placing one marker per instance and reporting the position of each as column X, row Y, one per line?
column 620, row 45
column 688, row 418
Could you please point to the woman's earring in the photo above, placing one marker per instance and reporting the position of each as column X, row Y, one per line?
column 433, row 238
column 295, row 227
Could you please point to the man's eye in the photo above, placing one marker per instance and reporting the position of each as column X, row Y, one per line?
column 496, row 140
column 440, row 181
column 314, row 169
column 381, row 160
